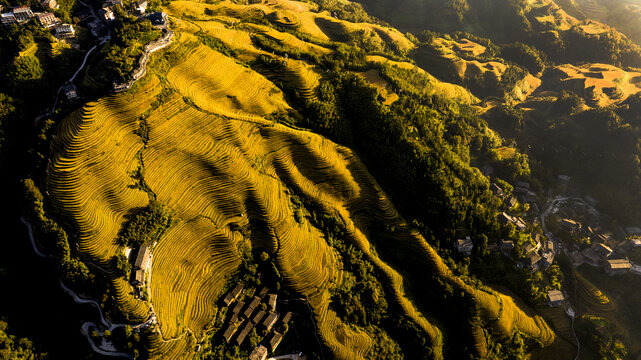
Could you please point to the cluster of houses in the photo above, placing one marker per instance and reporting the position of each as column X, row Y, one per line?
column 258, row 312
column 108, row 7
column 23, row 14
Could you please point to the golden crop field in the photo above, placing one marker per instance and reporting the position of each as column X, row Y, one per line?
column 214, row 161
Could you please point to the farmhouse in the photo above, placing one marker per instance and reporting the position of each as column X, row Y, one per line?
column 251, row 307
column 507, row 245
column 22, row 13
column 64, row 31
column 69, row 89
column 271, row 301
column 239, row 305
column 233, row 294
column 591, row 257
column 275, row 340
column 139, row 277
column 528, row 247
column 496, row 190
column 258, row 317
column 47, row 19
column 243, row 334
column 569, row 225
column 555, row 298
column 269, row 321
column 635, row 242
column 229, row 332
column 603, row 250
column 287, row 317
column 532, row 261
column 158, row 18
column 107, row 13
column 8, row 19
column 617, row 267
column 259, row 353
column 465, row 246
column 49, row 4
column 143, row 257
column 140, row 7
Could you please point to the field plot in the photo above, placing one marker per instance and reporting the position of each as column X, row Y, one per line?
column 599, row 84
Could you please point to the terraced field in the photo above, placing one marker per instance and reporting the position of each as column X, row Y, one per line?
column 214, row 161
column 599, row 84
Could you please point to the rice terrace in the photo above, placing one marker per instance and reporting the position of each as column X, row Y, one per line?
column 324, row 179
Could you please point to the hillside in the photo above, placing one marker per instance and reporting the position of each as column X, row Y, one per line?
column 347, row 180
column 200, row 141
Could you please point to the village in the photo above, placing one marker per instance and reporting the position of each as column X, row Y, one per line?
column 98, row 24
column 569, row 224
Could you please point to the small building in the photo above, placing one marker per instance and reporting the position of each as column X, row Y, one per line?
column 271, row 301
column 511, row 202
column 269, row 321
column 505, row 218
column 69, row 89
column 549, row 246
column 507, row 245
column 238, row 307
column 107, row 13
column 487, row 170
column 258, row 317
column 633, row 230
column 233, row 318
column 635, row 269
column 232, row 295
column 64, row 31
column 555, row 298
column 617, row 266
column 49, row 4
column 603, row 250
column 496, row 190
column 139, row 277
column 528, row 247
column 532, row 261
column 259, row 353
column 158, row 18
column 263, row 292
column 287, row 317
column 229, row 332
column 47, row 19
column 569, row 225
column 591, row 257
column 275, row 340
column 8, row 19
column 465, row 246
column 635, row 242
column 523, row 184
column 251, row 307
column 22, row 13
column 244, row 332
column 143, row 257
column 140, row 7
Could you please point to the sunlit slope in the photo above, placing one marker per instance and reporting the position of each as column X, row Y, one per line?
column 217, row 174
column 600, row 85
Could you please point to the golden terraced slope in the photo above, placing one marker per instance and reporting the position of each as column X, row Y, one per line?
column 218, row 165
